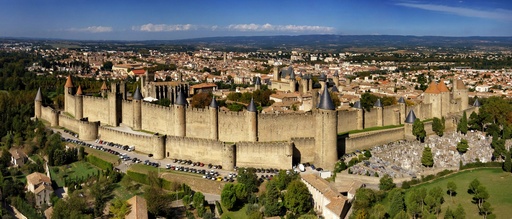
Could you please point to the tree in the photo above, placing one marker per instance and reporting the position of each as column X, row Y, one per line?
column 368, row 100
column 378, row 211
column 499, row 147
column 272, row 204
column 486, row 209
column 427, row 159
column 198, row 200
column 451, row 188
column 507, row 165
column 108, row 65
column 386, row 183
column 397, row 203
column 438, row 126
column 462, row 146
column 481, row 195
column 463, row 124
column 119, row 208
column 413, row 203
column 473, row 186
column 201, row 100
column 476, row 121
column 297, row 198
column 459, row 212
column 364, row 199
column 249, row 178
column 228, row 196
column 418, row 130
column 449, row 214
column 241, row 192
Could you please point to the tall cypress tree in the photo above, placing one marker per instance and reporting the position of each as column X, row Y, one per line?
column 427, row 159
column 507, row 165
column 463, row 124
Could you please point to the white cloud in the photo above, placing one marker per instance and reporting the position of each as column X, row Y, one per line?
column 92, row 29
column 164, row 27
column 498, row 14
column 279, row 28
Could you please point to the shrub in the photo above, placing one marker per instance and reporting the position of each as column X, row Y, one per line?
column 102, row 164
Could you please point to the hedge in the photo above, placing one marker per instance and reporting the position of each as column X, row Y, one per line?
column 480, row 164
column 26, row 209
column 143, row 178
column 100, row 163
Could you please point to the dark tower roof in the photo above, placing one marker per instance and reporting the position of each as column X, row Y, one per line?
column 79, row 91
column 357, row 105
column 334, row 89
column 252, row 106
column 477, row 103
column 39, row 96
column 292, row 75
column 137, row 95
column 326, row 101
column 377, row 103
column 181, row 99
column 322, row 77
column 214, row 104
column 411, row 117
column 258, row 81
column 336, row 74
column 104, row 86
column 401, row 100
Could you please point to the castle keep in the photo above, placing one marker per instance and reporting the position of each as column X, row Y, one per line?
column 244, row 139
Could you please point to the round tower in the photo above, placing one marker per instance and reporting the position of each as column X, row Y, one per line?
column 79, row 104
column 326, row 135
column 68, row 95
column 360, row 117
column 179, row 120
column 88, row 130
column 38, row 103
column 257, row 84
column 54, row 120
column 251, row 116
column 401, row 103
column 409, row 121
column 137, row 109
column 380, row 116
column 214, row 120
column 158, row 142
column 104, row 90
column 228, row 156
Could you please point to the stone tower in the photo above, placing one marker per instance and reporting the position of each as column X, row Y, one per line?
column 445, row 98
column 275, row 74
column 380, row 116
column 360, row 116
column 460, row 92
column 251, row 116
column 38, row 104
column 257, row 83
column 137, row 109
column 326, row 134
column 114, row 102
column 179, row 107
column 293, row 82
column 401, row 103
column 214, row 120
column 69, row 91
column 104, row 89
column 409, row 121
column 322, row 79
column 336, row 78
column 79, row 104
column 432, row 96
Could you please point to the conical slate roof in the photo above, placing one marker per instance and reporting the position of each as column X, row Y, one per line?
column 411, row 117
column 137, row 95
column 477, row 103
column 401, row 100
column 326, row 101
column 258, row 81
column 39, row 96
column 181, row 99
column 336, row 74
column 79, row 90
column 334, row 89
column 378, row 103
column 322, row 77
column 357, row 105
column 252, row 106
column 69, row 82
column 214, row 104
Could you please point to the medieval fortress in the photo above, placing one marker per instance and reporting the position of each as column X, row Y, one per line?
column 247, row 138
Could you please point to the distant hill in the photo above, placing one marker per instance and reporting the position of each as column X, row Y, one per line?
column 324, row 43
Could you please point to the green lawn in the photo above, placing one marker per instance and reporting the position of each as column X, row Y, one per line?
column 234, row 214
column 495, row 180
column 75, row 170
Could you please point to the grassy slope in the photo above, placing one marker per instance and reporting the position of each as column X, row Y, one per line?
column 77, row 170
column 495, row 180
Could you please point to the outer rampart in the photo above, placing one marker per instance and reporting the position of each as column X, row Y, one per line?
column 303, row 150
column 365, row 140
column 88, row 130
column 264, row 154
column 68, row 122
column 142, row 143
column 50, row 115
column 195, row 149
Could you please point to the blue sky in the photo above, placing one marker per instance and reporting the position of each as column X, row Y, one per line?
column 168, row 19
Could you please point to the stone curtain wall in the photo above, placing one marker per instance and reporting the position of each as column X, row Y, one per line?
column 232, row 126
column 303, row 150
column 95, row 108
column 68, row 122
column 282, row 127
column 366, row 140
column 195, row 149
column 142, row 143
column 198, row 122
column 391, row 114
column 264, row 154
column 347, row 120
column 157, row 118
column 127, row 116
